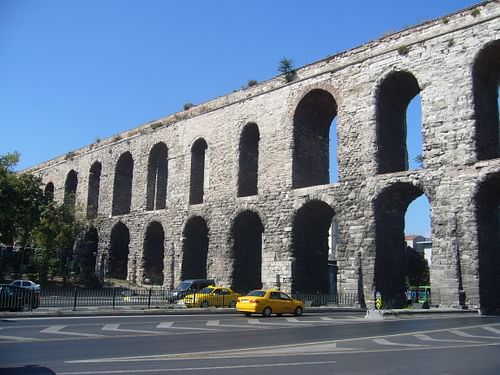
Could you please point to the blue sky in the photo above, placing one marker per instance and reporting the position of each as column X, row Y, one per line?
column 74, row 71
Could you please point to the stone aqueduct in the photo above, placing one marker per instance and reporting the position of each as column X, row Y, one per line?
column 237, row 188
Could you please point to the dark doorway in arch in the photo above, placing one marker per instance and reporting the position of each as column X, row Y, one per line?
column 195, row 249
column 154, row 250
column 486, row 81
column 390, row 244
column 118, row 252
column 93, row 192
column 310, row 248
column 156, row 196
column 49, row 191
column 246, row 235
column 311, row 130
column 122, row 187
column 393, row 97
column 248, row 170
column 197, row 184
column 70, row 188
column 488, row 223
column 86, row 256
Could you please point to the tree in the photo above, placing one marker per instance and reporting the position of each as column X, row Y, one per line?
column 417, row 269
column 286, row 68
column 21, row 203
column 55, row 237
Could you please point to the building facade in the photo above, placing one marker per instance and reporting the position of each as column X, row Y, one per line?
column 237, row 189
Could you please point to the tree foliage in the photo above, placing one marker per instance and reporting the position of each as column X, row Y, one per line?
column 37, row 234
column 417, row 268
column 286, row 68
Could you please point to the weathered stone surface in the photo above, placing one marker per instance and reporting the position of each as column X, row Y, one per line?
column 369, row 206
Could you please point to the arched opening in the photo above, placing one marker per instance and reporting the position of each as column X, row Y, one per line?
column 393, row 97
column 85, row 258
column 118, row 252
column 197, row 184
column 156, row 195
column 49, row 191
column 195, row 249
column 122, row 187
column 390, row 244
column 334, row 161
column 488, row 225
column 486, row 81
column 246, row 234
column 311, row 131
column 249, row 161
column 70, row 188
column 310, row 248
column 93, row 191
column 154, row 250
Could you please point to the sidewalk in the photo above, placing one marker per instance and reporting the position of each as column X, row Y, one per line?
column 137, row 310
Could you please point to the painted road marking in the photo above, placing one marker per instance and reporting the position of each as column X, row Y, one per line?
column 390, row 343
column 169, row 325
column 423, row 337
column 465, row 334
column 115, row 328
column 56, row 330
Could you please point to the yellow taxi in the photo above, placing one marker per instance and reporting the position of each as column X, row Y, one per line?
column 267, row 302
column 212, row 296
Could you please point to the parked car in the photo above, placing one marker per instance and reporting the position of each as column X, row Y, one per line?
column 212, row 296
column 189, row 286
column 267, row 302
column 26, row 284
column 15, row 298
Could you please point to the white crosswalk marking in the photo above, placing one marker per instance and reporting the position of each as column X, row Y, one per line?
column 216, row 323
column 170, row 325
column 115, row 328
column 56, row 330
column 257, row 322
column 465, row 334
column 423, row 337
column 491, row 329
column 390, row 343
column 17, row 338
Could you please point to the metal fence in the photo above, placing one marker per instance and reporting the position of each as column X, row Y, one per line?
column 162, row 298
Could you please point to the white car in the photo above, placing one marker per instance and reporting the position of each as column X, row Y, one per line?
column 26, row 284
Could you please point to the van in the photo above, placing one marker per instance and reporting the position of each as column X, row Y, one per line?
column 189, row 286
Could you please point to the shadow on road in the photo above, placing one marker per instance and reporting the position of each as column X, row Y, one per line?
column 26, row 370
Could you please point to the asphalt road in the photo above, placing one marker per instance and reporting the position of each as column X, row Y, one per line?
column 338, row 343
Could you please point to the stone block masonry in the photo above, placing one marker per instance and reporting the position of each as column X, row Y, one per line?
column 237, row 189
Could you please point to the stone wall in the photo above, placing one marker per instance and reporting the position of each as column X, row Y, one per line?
column 367, row 90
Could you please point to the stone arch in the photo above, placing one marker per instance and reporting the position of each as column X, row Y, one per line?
column 154, row 252
column 156, row 194
column 70, row 188
column 390, row 246
column 248, row 170
column 198, row 161
column 246, row 235
column 122, row 187
column 311, row 126
column 394, row 94
column 487, row 202
column 86, row 255
column 486, row 81
column 93, row 189
column 310, row 247
column 119, row 251
column 195, row 249
column 49, row 191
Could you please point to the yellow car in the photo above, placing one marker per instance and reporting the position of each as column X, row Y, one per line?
column 212, row 296
column 267, row 302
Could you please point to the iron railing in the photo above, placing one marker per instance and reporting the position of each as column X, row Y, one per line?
column 164, row 298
